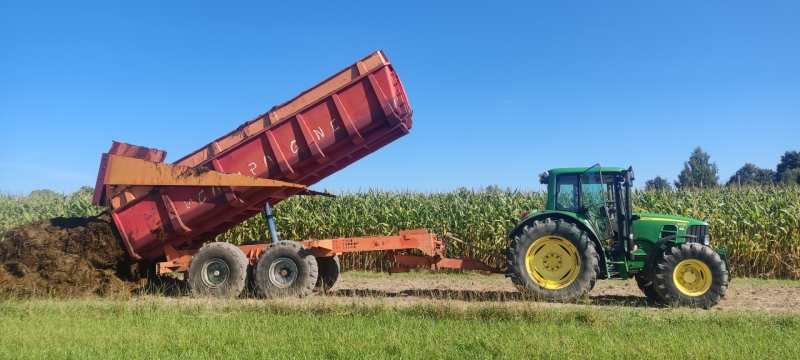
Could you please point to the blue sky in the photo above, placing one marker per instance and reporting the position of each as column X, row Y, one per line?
column 500, row 91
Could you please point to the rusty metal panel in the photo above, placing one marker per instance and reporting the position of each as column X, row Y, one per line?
column 348, row 116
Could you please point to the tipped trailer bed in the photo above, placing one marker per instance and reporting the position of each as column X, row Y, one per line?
column 171, row 213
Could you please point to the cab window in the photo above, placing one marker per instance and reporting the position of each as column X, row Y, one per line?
column 567, row 192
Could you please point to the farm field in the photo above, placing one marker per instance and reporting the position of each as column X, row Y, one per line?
column 372, row 314
column 414, row 315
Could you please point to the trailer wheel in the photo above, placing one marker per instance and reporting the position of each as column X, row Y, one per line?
column 218, row 269
column 691, row 274
column 286, row 268
column 328, row 273
column 648, row 287
column 553, row 260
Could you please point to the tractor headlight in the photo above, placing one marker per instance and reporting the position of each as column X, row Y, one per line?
column 706, row 240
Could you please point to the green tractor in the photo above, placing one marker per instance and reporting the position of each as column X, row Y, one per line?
column 588, row 231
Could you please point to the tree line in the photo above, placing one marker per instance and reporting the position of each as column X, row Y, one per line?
column 700, row 172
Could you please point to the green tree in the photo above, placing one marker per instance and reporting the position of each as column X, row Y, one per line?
column 45, row 194
column 657, row 184
column 790, row 160
column 791, row 177
column 751, row 175
column 698, row 171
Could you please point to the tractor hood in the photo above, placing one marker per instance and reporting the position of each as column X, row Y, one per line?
column 668, row 219
column 652, row 227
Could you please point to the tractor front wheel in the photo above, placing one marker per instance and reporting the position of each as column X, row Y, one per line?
column 553, row 260
column 648, row 287
column 691, row 274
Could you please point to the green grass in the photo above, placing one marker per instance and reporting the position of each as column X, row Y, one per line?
column 192, row 328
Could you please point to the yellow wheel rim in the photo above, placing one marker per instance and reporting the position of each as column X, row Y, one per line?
column 553, row 262
column 692, row 277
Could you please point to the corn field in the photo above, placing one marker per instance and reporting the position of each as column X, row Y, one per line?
column 760, row 226
column 44, row 204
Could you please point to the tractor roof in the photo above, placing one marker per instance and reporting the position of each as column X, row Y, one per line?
column 609, row 169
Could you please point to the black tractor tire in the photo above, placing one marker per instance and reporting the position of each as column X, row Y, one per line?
column 580, row 277
column 218, row 269
column 691, row 274
column 648, row 287
column 328, row 273
column 286, row 268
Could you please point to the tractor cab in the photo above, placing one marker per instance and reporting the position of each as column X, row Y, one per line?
column 600, row 198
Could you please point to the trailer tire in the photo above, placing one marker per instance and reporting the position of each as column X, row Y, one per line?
column 566, row 259
column 691, row 274
column 328, row 273
column 218, row 269
column 286, row 268
column 648, row 287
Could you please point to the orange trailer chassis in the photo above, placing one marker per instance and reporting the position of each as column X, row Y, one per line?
column 431, row 245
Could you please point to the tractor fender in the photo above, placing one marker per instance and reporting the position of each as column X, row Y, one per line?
column 568, row 217
column 650, row 262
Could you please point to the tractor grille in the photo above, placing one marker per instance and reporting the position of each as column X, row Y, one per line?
column 699, row 231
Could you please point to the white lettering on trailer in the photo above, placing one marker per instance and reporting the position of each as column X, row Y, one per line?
column 267, row 158
column 200, row 197
column 252, row 168
column 319, row 133
column 334, row 128
column 188, row 204
column 293, row 146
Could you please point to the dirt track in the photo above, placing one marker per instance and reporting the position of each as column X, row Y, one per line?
column 742, row 294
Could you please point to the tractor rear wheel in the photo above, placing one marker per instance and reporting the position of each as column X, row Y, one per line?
column 691, row 274
column 648, row 287
column 286, row 268
column 218, row 269
column 553, row 260
column 328, row 273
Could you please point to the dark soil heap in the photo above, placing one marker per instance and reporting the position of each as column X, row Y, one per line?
column 64, row 257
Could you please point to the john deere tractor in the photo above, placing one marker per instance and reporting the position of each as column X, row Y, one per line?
column 588, row 231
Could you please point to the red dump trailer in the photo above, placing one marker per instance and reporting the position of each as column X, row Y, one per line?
column 167, row 212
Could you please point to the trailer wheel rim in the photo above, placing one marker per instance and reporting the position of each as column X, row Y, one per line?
column 282, row 272
column 553, row 262
column 692, row 277
column 215, row 272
